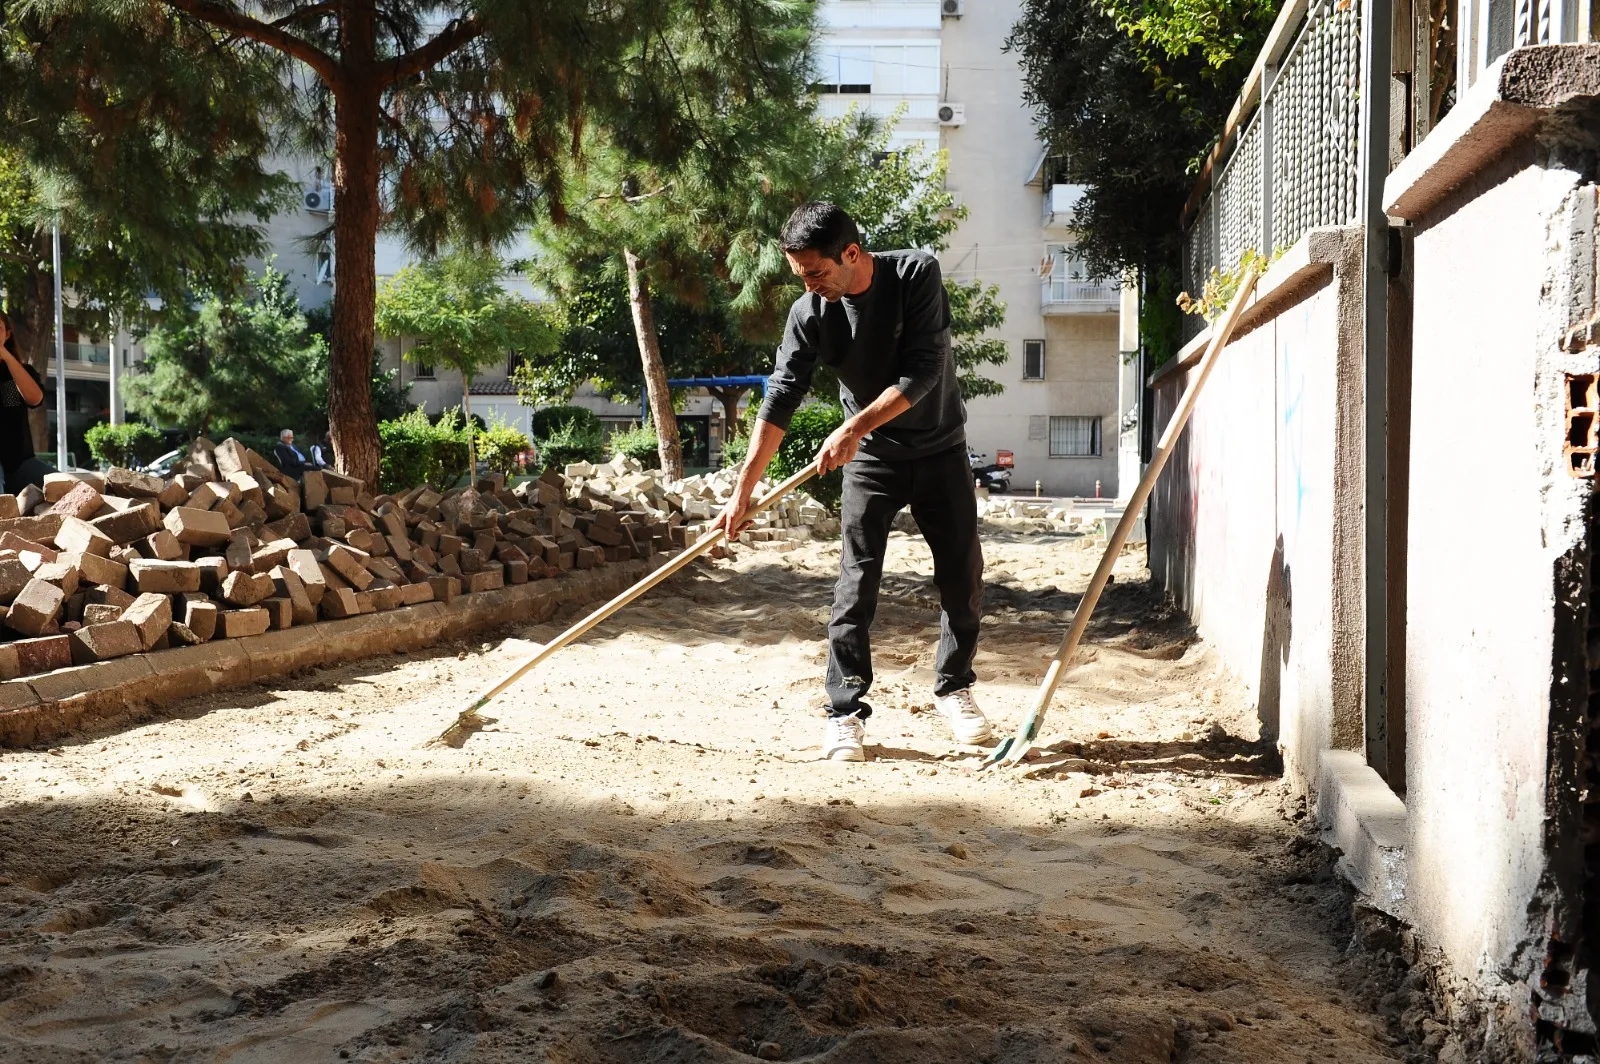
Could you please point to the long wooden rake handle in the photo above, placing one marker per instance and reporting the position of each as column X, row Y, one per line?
column 689, row 554
column 1012, row 749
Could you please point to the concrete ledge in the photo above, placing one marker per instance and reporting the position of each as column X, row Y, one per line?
column 1302, row 270
column 1367, row 821
column 56, row 704
column 1510, row 101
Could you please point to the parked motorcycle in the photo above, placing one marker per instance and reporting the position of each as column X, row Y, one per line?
column 996, row 476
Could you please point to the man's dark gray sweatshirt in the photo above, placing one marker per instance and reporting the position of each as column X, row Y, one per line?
column 895, row 334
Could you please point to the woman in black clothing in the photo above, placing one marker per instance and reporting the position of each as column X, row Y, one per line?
column 20, row 390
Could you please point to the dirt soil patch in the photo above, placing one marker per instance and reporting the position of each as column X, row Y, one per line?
column 642, row 861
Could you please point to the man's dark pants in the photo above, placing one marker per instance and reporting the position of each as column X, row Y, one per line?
column 939, row 491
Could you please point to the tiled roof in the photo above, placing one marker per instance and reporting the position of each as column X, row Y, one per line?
column 493, row 388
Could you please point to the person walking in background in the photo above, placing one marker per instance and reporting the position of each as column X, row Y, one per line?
column 20, row 391
column 288, row 456
column 321, row 453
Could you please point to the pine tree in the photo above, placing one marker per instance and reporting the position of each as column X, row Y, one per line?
column 452, row 120
column 144, row 147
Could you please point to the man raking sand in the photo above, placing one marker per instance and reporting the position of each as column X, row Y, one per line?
column 881, row 322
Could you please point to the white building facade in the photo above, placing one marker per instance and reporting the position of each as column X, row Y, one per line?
column 943, row 61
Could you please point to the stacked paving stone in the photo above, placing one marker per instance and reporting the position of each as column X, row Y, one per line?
column 97, row 566
column 694, row 501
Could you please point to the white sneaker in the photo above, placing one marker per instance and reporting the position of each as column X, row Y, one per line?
column 843, row 740
column 966, row 719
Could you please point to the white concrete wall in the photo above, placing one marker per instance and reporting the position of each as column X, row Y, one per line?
column 1242, row 517
column 1487, row 525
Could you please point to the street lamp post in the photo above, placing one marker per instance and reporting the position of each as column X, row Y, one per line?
column 61, row 354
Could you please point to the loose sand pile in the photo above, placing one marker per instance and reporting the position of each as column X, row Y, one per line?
column 643, row 862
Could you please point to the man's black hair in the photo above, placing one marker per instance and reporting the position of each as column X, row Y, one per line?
column 819, row 227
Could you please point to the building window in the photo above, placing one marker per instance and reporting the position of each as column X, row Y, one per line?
column 1074, row 437
column 513, row 362
column 1033, row 360
column 424, row 372
column 845, row 69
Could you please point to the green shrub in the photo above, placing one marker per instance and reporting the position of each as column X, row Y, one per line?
column 638, row 442
column 544, row 423
column 812, row 424
column 570, row 443
column 500, row 447
column 123, row 445
column 734, row 450
column 417, row 451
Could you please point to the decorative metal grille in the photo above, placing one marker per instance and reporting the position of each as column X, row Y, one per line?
column 1295, row 165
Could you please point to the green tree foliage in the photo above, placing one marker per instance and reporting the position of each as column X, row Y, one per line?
column 501, row 448
column 417, row 450
column 453, row 120
column 1131, row 95
column 569, row 442
column 234, row 363
column 722, row 285
column 547, row 420
column 462, row 317
column 127, row 444
column 146, row 148
column 637, row 442
column 810, row 427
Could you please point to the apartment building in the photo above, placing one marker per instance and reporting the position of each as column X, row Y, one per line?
column 1066, row 389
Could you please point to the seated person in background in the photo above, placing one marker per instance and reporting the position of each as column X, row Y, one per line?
column 288, row 456
column 321, row 453
column 20, row 390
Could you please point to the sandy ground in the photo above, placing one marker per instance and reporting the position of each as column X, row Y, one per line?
column 642, row 859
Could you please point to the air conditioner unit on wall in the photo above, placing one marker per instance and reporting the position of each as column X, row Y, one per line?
column 952, row 8
column 952, row 114
column 319, row 199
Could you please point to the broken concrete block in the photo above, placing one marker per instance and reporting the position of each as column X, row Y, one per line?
column 411, row 594
column 271, row 555
column 304, row 565
column 78, row 535
column 213, row 571
column 43, row 654
column 162, row 546
column 348, row 564
column 134, row 523
column 280, row 502
column 233, row 624
column 61, row 573
column 165, row 578
column 198, row 528
column 21, row 544
column 200, row 616
column 109, row 596
column 339, row 602
column 484, row 580
column 57, row 485
column 181, row 635
column 206, row 496
column 231, row 457
column 516, row 572
column 445, row 588
column 249, row 487
column 97, row 570
column 100, row 613
column 150, row 614
column 280, row 611
column 289, row 586
column 36, row 610
column 133, row 485
column 14, row 576
column 246, row 589
column 8, row 510
column 102, row 642
column 172, row 495
column 81, row 501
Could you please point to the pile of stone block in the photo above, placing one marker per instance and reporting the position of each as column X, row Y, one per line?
column 695, row 500
column 97, row 566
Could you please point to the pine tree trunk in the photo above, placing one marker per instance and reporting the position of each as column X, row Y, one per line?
column 355, row 232
column 655, row 371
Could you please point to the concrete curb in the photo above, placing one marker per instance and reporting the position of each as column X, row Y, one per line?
column 57, row 704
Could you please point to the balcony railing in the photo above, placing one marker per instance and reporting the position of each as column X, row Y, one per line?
column 1293, row 164
column 1080, row 295
column 880, row 14
column 93, row 354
